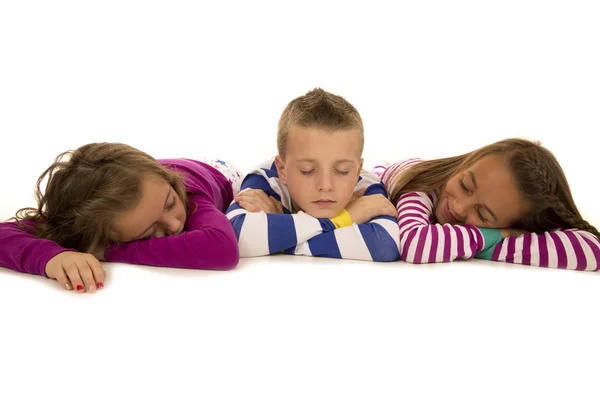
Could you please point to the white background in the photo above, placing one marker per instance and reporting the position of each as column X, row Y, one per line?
column 190, row 79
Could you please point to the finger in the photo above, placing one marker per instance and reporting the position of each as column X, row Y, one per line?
column 73, row 273
column 260, row 203
column 98, row 272
column 250, row 200
column 255, row 196
column 246, row 193
column 88, row 277
column 248, row 206
column 62, row 279
column 277, row 204
column 359, row 193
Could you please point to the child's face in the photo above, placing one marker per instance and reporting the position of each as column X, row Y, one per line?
column 484, row 195
column 159, row 213
column 321, row 169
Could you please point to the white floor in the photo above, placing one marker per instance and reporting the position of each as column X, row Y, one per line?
column 194, row 79
column 286, row 327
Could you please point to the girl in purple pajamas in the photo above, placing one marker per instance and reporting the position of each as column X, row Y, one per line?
column 112, row 202
column 509, row 201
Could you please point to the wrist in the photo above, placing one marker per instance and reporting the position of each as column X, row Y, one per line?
column 342, row 219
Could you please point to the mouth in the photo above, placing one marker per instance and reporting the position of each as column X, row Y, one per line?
column 324, row 203
column 448, row 214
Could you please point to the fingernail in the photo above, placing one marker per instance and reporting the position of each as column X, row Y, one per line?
column 79, row 288
column 68, row 286
column 100, row 285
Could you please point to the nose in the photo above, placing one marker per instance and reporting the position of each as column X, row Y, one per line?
column 324, row 181
column 167, row 226
column 461, row 208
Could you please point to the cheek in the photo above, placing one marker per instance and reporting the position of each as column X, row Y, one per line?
column 298, row 183
column 181, row 211
column 451, row 187
column 347, row 185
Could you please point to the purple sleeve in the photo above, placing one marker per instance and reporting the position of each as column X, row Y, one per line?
column 561, row 248
column 208, row 242
column 422, row 242
column 23, row 251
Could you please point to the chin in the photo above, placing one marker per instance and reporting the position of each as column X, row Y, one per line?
column 322, row 213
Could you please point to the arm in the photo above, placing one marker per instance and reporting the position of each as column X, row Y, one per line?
column 424, row 242
column 562, row 248
column 24, row 252
column 208, row 242
column 261, row 234
column 376, row 240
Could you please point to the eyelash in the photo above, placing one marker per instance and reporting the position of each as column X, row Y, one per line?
column 462, row 183
column 170, row 206
column 312, row 170
column 478, row 210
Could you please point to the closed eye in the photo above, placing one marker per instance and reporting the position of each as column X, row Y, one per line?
column 173, row 203
column 462, row 184
column 341, row 172
column 481, row 217
column 309, row 172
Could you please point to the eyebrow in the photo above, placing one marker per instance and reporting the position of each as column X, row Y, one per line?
column 166, row 200
column 472, row 174
column 310, row 160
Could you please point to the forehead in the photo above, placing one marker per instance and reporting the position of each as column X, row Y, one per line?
column 497, row 188
column 321, row 144
column 154, row 191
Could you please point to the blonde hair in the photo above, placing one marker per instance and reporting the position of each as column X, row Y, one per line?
column 318, row 109
column 538, row 175
column 87, row 188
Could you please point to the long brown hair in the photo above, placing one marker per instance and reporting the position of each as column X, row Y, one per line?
column 87, row 188
column 537, row 173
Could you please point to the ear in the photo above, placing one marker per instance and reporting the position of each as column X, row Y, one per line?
column 360, row 165
column 279, row 164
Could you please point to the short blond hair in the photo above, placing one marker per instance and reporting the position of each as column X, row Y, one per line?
column 318, row 109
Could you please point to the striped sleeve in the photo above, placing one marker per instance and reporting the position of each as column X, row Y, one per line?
column 261, row 234
column 386, row 173
column 376, row 240
column 424, row 242
column 561, row 248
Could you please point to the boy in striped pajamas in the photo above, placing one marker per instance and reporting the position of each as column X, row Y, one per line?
column 509, row 201
column 313, row 198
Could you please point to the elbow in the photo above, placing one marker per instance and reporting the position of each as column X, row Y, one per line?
column 229, row 256
column 387, row 254
column 410, row 260
column 407, row 257
column 222, row 253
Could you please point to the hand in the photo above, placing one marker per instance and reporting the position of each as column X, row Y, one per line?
column 506, row 232
column 365, row 208
column 358, row 193
column 255, row 200
column 81, row 271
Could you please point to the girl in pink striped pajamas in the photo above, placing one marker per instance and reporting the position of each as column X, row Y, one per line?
column 508, row 201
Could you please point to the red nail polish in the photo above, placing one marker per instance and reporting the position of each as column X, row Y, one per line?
column 79, row 288
column 100, row 285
